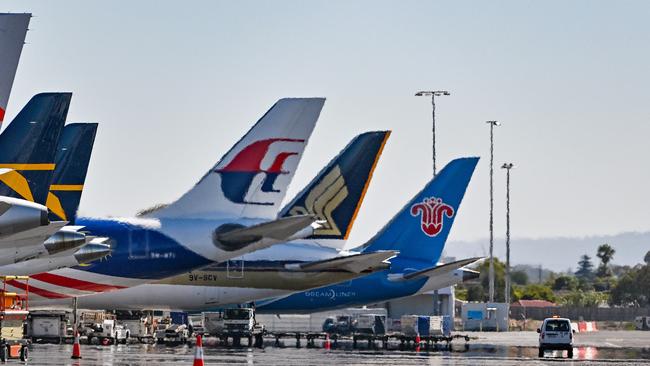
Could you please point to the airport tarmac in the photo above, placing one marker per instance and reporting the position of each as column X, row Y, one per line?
column 503, row 349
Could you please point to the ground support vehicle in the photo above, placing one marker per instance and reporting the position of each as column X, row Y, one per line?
column 137, row 329
column 47, row 326
column 176, row 334
column 13, row 313
column 240, row 323
column 106, row 333
column 555, row 334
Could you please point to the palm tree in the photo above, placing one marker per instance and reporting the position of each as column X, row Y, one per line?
column 605, row 253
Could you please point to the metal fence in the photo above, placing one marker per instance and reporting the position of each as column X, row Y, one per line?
column 579, row 313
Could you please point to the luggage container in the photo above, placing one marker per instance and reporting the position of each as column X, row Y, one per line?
column 413, row 325
column 47, row 326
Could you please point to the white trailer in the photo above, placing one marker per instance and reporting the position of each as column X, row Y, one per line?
column 46, row 326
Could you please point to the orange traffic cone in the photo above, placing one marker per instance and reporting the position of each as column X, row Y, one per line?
column 328, row 344
column 76, row 349
column 198, row 354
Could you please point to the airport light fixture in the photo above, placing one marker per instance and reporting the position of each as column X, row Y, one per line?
column 507, row 166
column 491, row 271
column 433, row 94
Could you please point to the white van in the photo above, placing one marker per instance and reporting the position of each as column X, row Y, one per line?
column 556, row 334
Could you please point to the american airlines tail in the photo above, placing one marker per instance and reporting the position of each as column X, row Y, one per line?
column 13, row 29
column 28, row 145
column 335, row 195
column 72, row 160
column 251, row 180
column 419, row 231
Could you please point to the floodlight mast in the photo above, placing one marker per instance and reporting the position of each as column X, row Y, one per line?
column 433, row 94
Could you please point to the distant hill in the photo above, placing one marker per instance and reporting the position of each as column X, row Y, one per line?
column 557, row 253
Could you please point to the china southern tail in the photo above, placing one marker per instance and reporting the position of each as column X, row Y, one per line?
column 419, row 232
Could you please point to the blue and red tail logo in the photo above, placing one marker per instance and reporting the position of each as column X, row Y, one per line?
column 432, row 210
column 237, row 176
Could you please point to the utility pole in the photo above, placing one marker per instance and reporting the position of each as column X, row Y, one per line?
column 433, row 94
column 507, row 167
column 491, row 272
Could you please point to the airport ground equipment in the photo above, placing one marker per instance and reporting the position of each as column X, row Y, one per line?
column 356, row 324
column 642, row 322
column 138, row 325
column 425, row 325
column 106, row 332
column 47, row 326
column 555, row 334
column 14, row 308
column 176, row 334
column 138, row 329
column 213, row 322
column 240, row 323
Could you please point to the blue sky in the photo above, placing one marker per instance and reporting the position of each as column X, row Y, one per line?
column 175, row 84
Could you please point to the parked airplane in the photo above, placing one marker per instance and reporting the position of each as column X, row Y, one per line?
column 229, row 212
column 27, row 151
column 69, row 246
column 419, row 232
column 13, row 29
column 335, row 196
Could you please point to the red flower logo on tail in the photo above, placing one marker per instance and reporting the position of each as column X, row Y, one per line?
column 432, row 210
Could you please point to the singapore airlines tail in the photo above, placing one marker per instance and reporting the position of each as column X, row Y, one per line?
column 336, row 194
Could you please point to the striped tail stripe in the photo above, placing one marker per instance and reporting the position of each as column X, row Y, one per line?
column 38, row 291
column 74, row 283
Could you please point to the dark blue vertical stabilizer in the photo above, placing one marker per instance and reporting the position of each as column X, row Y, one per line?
column 28, row 145
column 72, row 159
column 336, row 194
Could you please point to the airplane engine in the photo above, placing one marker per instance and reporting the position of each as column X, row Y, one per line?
column 64, row 240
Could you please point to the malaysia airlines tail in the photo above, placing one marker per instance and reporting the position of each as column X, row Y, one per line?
column 335, row 195
column 419, row 231
column 251, row 180
column 28, row 145
column 72, row 160
column 13, row 29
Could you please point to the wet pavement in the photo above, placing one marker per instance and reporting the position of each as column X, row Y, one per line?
column 486, row 349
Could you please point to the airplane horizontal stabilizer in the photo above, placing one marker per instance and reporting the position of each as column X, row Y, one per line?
column 235, row 237
column 437, row 270
column 355, row 263
column 32, row 236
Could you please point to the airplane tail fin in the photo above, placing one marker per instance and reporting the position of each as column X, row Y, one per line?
column 13, row 29
column 28, row 146
column 419, row 231
column 336, row 193
column 251, row 180
column 72, row 159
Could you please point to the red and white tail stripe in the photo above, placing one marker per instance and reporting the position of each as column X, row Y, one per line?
column 67, row 283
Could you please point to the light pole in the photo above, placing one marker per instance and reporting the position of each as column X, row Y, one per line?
column 491, row 273
column 507, row 166
column 433, row 94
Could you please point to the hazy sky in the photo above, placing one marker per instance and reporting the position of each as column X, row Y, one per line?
column 174, row 84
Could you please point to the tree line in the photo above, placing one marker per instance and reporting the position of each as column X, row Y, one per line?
column 589, row 285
